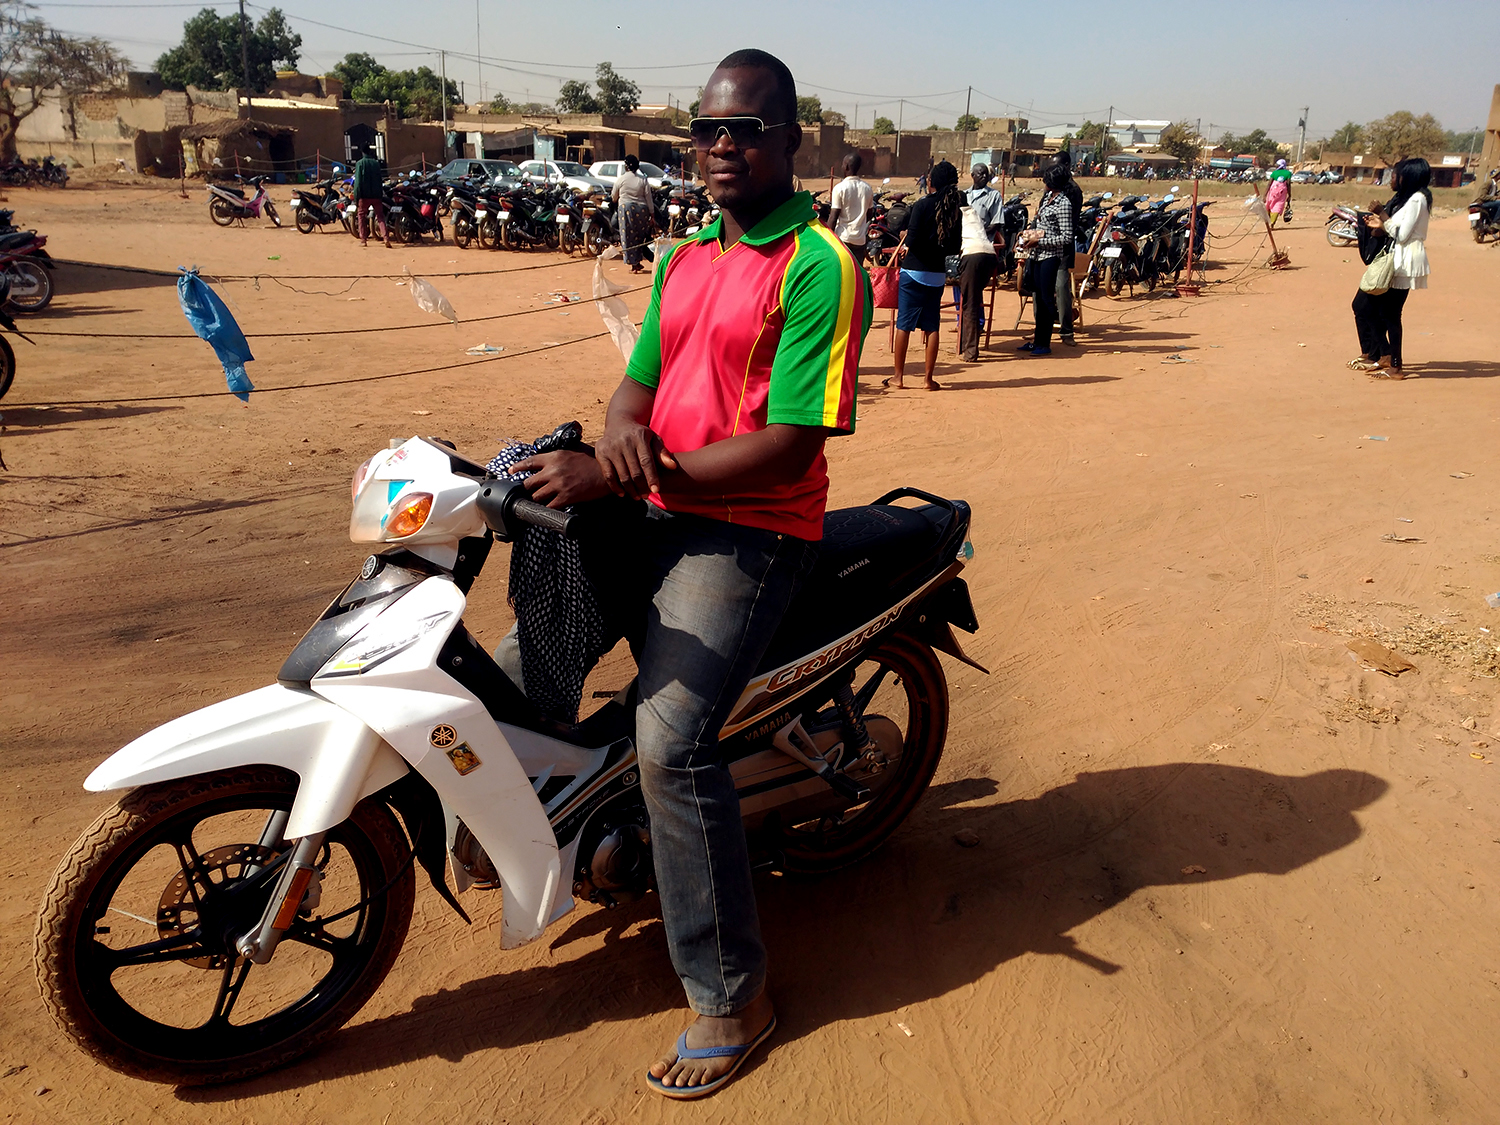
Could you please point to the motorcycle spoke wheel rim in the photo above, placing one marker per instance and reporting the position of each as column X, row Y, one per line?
column 190, row 998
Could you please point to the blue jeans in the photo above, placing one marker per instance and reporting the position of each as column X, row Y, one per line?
column 717, row 594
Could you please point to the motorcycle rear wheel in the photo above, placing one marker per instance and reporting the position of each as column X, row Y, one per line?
column 7, row 366
column 221, row 212
column 30, row 286
column 1341, row 234
column 178, row 942
column 462, row 232
column 491, row 234
column 305, row 222
column 1114, row 280
column 920, row 690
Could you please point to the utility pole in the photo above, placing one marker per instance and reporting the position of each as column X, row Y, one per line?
column 968, row 101
column 1302, row 132
column 1109, row 126
column 900, row 119
column 478, row 58
column 244, row 49
column 443, row 70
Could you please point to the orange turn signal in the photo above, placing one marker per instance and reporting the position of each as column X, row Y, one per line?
column 408, row 516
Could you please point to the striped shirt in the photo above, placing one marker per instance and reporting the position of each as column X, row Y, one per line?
column 767, row 332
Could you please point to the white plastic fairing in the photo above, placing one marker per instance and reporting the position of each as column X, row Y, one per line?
column 448, row 736
column 416, row 466
column 338, row 758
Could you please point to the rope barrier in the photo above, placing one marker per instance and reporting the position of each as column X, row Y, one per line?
column 309, row 386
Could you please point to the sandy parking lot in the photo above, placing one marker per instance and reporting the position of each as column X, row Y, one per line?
column 1225, row 872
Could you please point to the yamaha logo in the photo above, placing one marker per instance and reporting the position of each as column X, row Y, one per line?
column 443, row 736
column 372, row 564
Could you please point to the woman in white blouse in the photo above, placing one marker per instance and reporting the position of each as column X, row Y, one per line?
column 1377, row 317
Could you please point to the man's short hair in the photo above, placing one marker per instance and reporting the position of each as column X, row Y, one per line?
column 785, row 106
column 853, row 162
column 980, row 170
column 1056, row 177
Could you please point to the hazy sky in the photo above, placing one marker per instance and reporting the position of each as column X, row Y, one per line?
column 1231, row 65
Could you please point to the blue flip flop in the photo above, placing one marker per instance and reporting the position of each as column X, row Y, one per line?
column 739, row 1054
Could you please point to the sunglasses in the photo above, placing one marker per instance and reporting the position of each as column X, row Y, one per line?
column 743, row 132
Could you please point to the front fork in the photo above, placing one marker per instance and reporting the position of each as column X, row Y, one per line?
column 291, row 887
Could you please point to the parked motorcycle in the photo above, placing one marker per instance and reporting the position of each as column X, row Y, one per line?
column 27, row 268
column 598, row 224
column 1343, row 226
column 228, row 204
column 253, row 884
column 1484, row 214
column 413, row 209
column 317, row 206
column 7, row 355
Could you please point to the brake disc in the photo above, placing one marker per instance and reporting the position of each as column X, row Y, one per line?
column 178, row 912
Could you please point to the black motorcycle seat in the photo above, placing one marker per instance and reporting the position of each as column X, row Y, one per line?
column 231, row 190
column 14, row 238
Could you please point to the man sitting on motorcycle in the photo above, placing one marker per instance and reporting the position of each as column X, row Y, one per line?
column 746, row 363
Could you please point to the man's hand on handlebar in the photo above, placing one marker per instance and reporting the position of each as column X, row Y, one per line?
column 562, row 478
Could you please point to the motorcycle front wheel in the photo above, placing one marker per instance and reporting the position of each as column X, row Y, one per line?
column 899, row 682
column 30, row 286
column 134, row 945
column 271, row 213
column 221, row 212
column 7, row 366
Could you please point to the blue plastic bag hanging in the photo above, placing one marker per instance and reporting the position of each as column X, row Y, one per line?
column 211, row 320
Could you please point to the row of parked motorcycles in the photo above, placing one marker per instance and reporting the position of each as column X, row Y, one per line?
column 25, row 285
column 490, row 216
column 1127, row 242
column 45, row 172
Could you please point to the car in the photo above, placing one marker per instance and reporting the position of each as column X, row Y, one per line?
column 569, row 172
column 469, row 167
column 1304, row 177
column 609, row 171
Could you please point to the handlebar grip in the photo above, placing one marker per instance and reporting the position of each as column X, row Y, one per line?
column 539, row 515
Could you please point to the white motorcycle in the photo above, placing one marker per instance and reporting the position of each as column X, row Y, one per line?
column 286, row 822
column 228, row 204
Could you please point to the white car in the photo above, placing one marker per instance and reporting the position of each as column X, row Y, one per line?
column 575, row 175
column 609, row 171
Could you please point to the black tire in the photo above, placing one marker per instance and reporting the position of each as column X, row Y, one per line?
column 30, row 285
column 1114, row 280
column 463, row 231
column 596, row 239
column 1341, row 234
column 154, row 826
column 437, row 232
column 567, row 238
column 305, row 222
column 220, row 211
column 492, row 233
column 7, row 366
column 271, row 213
column 829, row 844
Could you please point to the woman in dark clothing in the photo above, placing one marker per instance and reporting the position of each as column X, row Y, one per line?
column 1049, row 240
column 1400, row 229
column 634, row 206
column 934, row 228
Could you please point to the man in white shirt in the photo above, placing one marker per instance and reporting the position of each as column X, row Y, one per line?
column 849, row 208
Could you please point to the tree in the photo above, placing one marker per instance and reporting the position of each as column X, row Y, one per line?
column 1468, row 140
column 1348, row 137
column 209, row 55
column 1255, row 143
column 618, row 96
column 1180, row 140
column 693, row 109
column 414, row 93
column 1403, row 134
column 933, row 128
column 834, row 117
column 883, row 127
column 501, row 104
column 967, row 123
column 809, row 110
column 574, row 96
column 34, row 57
column 1095, row 134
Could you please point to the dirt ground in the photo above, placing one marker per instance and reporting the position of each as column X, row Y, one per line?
column 1226, row 873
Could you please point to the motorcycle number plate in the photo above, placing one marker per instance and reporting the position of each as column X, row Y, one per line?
column 1111, row 252
column 396, row 210
column 481, row 214
column 295, row 203
column 503, row 216
column 674, row 210
column 564, row 218
column 1475, row 216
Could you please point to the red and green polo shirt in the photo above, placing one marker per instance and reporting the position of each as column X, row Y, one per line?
column 764, row 333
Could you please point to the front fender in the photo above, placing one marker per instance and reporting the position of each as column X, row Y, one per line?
column 338, row 758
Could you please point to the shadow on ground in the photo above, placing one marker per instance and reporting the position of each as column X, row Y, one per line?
column 920, row 919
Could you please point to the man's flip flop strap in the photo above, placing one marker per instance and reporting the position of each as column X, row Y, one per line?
column 685, row 1052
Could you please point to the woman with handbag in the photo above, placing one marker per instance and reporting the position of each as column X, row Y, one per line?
column 1048, row 242
column 1398, row 265
column 934, row 230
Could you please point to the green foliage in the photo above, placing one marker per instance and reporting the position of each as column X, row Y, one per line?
column 616, row 96
column 883, row 127
column 809, row 110
column 1254, row 143
column 1403, row 134
column 693, row 109
column 1468, row 140
column 209, row 55
column 414, row 93
column 1348, row 137
column 1178, row 139
column 501, row 104
column 834, row 117
column 967, row 123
